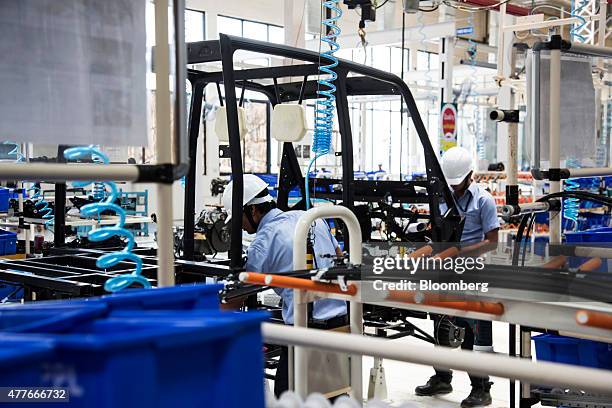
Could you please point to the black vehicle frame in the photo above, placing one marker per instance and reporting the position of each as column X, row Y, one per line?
column 445, row 227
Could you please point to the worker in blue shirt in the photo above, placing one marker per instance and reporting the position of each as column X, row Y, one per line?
column 272, row 252
column 481, row 223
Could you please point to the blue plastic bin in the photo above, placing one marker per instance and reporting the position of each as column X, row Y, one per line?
column 52, row 319
column 602, row 236
column 4, row 199
column 17, row 357
column 10, row 292
column 181, row 297
column 8, row 242
column 574, row 351
column 162, row 360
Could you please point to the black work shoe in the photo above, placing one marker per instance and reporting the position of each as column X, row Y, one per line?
column 435, row 386
column 479, row 397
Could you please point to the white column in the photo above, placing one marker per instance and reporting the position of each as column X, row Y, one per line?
column 555, row 131
column 163, row 146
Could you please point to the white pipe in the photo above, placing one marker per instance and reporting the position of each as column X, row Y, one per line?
column 163, row 147
column 300, row 318
column 512, row 174
column 509, row 210
column 554, row 374
column 554, row 136
column 500, row 40
column 53, row 172
column 590, row 172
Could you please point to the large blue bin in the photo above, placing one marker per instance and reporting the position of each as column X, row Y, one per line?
column 4, row 199
column 157, row 361
column 52, row 319
column 182, row 297
column 574, row 351
column 601, row 236
column 17, row 357
column 8, row 243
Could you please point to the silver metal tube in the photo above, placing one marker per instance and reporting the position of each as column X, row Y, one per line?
column 535, row 109
column 300, row 307
column 163, row 147
column 589, row 252
column 181, row 145
column 473, row 362
column 590, row 172
column 554, row 137
column 509, row 210
column 54, row 172
column 590, row 50
column 526, row 354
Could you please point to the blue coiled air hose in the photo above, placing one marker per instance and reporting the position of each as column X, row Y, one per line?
column 571, row 206
column 575, row 28
column 41, row 204
column 106, row 261
column 324, row 110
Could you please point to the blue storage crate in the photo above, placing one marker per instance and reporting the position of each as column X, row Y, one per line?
column 16, row 357
column 10, row 292
column 574, row 351
column 601, row 236
column 162, row 360
column 52, row 319
column 8, row 243
column 4, row 199
column 181, row 297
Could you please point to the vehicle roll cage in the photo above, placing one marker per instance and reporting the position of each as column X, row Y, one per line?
column 446, row 227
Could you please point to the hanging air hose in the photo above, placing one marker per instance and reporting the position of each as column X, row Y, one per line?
column 574, row 32
column 324, row 110
column 120, row 282
column 15, row 152
column 41, row 204
column 571, row 206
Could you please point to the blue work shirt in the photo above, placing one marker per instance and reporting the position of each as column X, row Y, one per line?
column 272, row 252
column 478, row 207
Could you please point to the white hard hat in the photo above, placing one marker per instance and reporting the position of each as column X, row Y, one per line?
column 253, row 187
column 456, row 165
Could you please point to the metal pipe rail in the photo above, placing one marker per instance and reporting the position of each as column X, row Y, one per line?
column 554, row 374
column 300, row 306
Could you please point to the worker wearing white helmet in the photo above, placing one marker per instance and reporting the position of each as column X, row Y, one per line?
column 272, row 252
column 481, row 223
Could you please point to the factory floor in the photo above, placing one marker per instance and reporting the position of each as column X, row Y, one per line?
column 402, row 378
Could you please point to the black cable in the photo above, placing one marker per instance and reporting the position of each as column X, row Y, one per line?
column 382, row 4
column 434, row 8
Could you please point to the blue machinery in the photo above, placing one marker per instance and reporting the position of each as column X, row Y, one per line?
column 109, row 260
column 324, row 112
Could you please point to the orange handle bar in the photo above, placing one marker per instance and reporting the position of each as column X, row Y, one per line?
column 425, row 250
column 594, row 319
column 555, row 263
column 438, row 301
column 289, row 282
column 590, row 265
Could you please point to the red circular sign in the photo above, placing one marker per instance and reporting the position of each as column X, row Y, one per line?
column 449, row 120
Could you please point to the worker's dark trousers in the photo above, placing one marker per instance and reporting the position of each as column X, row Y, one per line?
column 281, row 380
column 477, row 333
